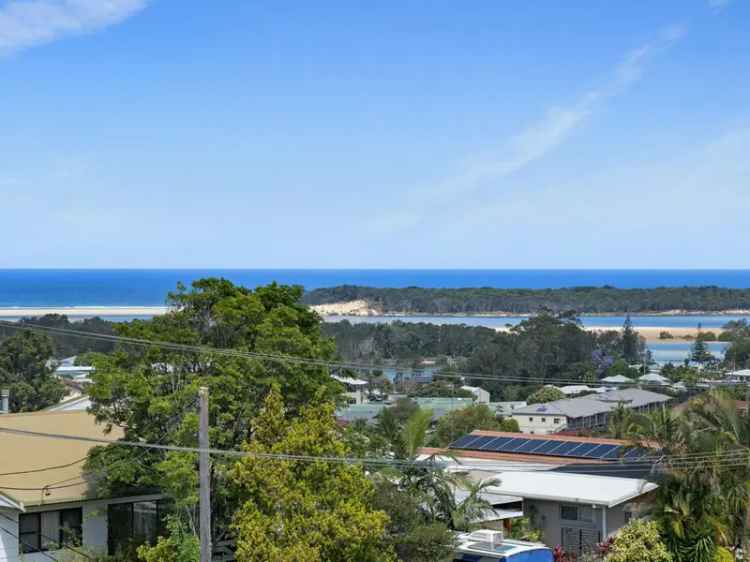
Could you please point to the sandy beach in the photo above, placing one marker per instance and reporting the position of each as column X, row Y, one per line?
column 83, row 311
column 652, row 333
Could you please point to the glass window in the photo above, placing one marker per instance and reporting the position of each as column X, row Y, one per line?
column 29, row 533
column 531, row 419
column 145, row 521
column 544, row 420
column 132, row 524
column 71, row 527
column 569, row 512
column 557, row 420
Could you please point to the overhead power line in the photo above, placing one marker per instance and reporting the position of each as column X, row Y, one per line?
column 673, row 460
column 280, row 358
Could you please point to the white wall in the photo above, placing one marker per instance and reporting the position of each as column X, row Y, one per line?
column 540, row 424
column 8, row 543
column 547, row 517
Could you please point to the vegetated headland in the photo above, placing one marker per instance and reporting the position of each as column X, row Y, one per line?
column 487, row 301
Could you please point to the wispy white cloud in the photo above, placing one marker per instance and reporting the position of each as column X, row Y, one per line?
column 532, row 143
column 28, row 23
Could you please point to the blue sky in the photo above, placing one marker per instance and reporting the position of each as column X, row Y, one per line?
column 437, row 133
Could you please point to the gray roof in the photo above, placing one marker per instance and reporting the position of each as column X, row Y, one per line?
column 594, row 404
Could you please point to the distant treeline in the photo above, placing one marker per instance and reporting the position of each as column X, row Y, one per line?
column 546, row 347
column 67, row 344
column 584, row 300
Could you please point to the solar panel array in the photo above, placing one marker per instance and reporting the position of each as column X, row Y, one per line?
column 546, row 447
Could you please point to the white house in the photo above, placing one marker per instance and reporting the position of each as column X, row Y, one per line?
column 77, row 372
column 587, row 412
column 355, row 388
column 617, row 379
column 482, row 396
column 575, row 511
column 506, row 409
column 49, row 503
column 654, row 379
column 741, row 376
column 576, row 389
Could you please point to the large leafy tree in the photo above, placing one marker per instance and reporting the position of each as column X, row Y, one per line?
column 545, row 394
column 460, row 422
column 291, row 510
column 151, row 391
column 25, row 371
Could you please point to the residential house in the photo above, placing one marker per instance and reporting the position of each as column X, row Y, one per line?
column 654, row 379
column 617, row 379
column 587, row 412
column 49, row 502
column 505, row 409
column 576, row 511
column 741, row 376
column 356, row 389
column 482, row 396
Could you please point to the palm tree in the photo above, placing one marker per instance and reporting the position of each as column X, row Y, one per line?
column 663, row 431
column 620, row 423
column 726, row 431
column 466, row 513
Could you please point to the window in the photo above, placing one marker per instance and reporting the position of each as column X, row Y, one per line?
column 133, row 524
column 531, row 419
column 71, row 527
column 49, row 530
column 582, row 513
column 29, row 533
column 544, row 420
column 557, row 421
column 569, row 512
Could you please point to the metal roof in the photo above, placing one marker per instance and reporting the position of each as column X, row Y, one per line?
column 605, row 491
column 22, row 453
column 594, row 404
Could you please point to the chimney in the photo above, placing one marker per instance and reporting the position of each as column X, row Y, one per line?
column 4, row 401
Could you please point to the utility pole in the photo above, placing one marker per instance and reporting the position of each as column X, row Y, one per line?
column 205, row 477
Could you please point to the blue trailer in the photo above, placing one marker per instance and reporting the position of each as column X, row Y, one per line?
column 491, row 546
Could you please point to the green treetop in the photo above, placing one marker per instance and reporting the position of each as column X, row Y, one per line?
column 313, row 511
column 545, row 394
column 24, row 370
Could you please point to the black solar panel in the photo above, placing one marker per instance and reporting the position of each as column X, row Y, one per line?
column 479, row 442
column 564, row 449
column 508, row 445
column 612, row 454
column 490, row 445
column 513, row 446
column 634, row 454
column 583, row 450
column 530, row 446
column 547, row 447
column 599, row 451
column 498, row 445
column 462, row 442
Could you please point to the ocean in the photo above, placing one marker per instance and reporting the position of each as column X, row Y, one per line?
column 148, row 287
